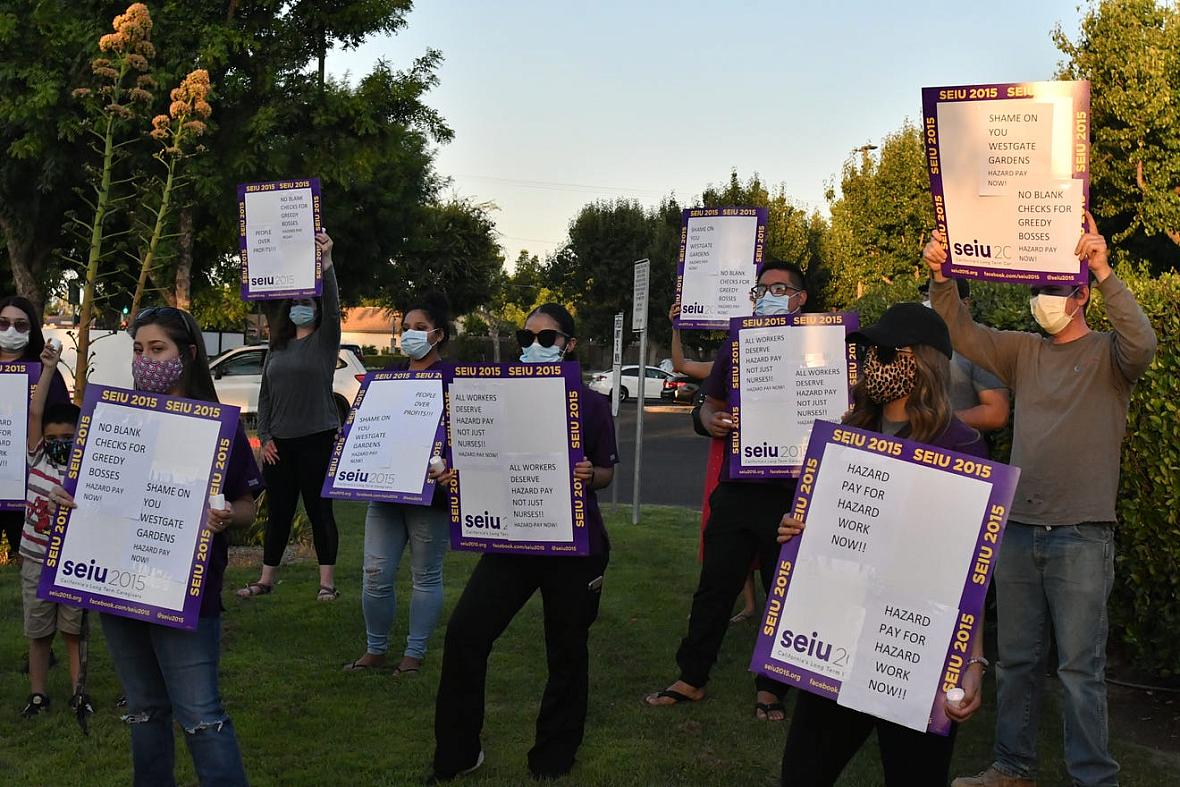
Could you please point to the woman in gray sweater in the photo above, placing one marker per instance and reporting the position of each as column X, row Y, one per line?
column 297, row 423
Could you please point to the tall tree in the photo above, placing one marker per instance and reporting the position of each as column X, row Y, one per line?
column 880, row 217
column 1130, row 52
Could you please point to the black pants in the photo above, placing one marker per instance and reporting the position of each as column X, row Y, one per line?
column 498, row 588
column 12, row 523
column 301, row 469
column 824, row 736
column 743, row 524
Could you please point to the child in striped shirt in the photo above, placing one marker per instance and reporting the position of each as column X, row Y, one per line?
column 51, row 434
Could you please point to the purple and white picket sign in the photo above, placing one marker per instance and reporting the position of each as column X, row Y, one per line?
column 17, row 381
column 1009, row 172
column 141, row 471
column 786, row 372
column 720, row 257
column 514, row 434
column 876, row 605
column 277, row 223
column 393, row 429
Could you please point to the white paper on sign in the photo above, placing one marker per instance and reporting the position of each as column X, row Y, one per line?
column 539, row 495
column 899, row 660
column 393, row 433
column 823, row 614
column 478, row 422
column 14, row 422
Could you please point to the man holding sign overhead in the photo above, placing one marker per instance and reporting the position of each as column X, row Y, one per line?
column 1073, row 389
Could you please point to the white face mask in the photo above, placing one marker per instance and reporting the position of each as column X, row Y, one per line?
column 1049, row 312
column 13, row 340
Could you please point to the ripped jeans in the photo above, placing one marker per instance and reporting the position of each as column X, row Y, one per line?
column 168, row 673
column 389, row 529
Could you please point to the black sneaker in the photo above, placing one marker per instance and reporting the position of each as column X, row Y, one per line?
column 81, row 702
column 439, row 778
column 37, row 703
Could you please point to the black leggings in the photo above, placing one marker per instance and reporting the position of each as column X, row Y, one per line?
column 12, row 522
column 824, row 737
column 301, row 469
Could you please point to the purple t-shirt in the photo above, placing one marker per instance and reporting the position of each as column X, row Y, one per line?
column 956, row 437
column 242, row 478
column 718, row 385
column 598, row 429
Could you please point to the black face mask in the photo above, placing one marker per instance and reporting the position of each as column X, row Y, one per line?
column 58, row 451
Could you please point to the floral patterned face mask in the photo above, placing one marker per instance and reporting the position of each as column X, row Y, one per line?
column 156, row 376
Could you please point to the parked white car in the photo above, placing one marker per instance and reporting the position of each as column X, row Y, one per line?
column 237, row 376
column 629, row 382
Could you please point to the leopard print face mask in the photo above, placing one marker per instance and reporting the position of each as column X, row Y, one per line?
column 885, row 382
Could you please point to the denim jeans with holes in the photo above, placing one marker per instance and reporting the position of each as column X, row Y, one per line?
column 1056, row 577
column 171, row 674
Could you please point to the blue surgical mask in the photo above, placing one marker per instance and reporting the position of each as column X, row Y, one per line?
column 773, row 305
column 535, row 353
column 302, row 315
column 416, row 344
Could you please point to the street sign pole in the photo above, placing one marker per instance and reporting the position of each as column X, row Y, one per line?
column 639, row 323
column 616, row 382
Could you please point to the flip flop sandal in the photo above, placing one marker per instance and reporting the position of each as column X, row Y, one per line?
column 669, row 694
column 255, row 589
column 399, row 670
column 767, row 708
column 356, row 666
column 327, row 593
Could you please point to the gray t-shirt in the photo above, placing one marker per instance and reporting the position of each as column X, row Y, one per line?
column 967, row 380
column 296, row 397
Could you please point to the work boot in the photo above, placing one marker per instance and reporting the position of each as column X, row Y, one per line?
column 993, row 777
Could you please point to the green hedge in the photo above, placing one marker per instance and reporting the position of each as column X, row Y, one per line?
column 1145, row 603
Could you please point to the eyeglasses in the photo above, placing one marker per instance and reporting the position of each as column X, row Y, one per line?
column 778, row 289
column 546, row 338
column 1061, row 290
column 887, row 355
column 22, row 326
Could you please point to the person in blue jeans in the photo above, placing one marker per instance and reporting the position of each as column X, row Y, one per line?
column 391, row 527
column 1056, row 564
column 169, row 673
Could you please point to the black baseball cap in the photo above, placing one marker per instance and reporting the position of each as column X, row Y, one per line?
column 906, row 324
column 964, row 288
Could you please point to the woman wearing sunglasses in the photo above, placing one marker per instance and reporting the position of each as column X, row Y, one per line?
column 168, row 673
column 391, row 528
column 297, row 423
column 21, row 340
column 501, row 584
column 903, row 391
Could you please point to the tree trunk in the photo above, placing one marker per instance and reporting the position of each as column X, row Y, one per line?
column 26, row 260
column 184, row 262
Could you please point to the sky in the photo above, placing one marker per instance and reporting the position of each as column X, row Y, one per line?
column 555, row 104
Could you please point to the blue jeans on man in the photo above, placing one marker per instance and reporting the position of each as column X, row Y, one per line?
column 1057, row 577
column 170, row 673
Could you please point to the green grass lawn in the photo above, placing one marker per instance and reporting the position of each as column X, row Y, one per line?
column 302, row 721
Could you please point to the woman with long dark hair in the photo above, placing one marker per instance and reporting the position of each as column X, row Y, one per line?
column 297, row 423
column 501, row 584
column 21, row 340
column 392, row 527
column 903, row 391
column 169, row 673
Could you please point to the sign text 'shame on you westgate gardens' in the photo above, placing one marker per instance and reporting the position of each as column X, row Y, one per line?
column 1010, row 178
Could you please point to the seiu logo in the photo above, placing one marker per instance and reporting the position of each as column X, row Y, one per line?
column 977, row 249
column 352, row 475
column 692, row 308
column 271, row 281
column 810, row 646
column 482, row 520
column 80, row 570
column 764, row 451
